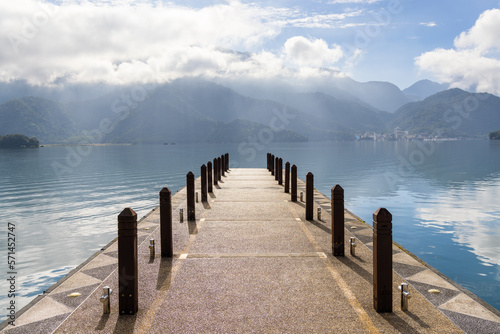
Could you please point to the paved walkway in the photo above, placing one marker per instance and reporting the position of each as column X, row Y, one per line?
column 252, row 263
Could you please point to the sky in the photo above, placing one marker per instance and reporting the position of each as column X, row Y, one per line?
column 129, row 41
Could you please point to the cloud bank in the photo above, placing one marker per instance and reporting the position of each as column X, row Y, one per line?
column 120, row 42
column 474, row 62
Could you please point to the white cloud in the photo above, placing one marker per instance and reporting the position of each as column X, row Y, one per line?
column 311, row 52
column 137, row 41
column 353, row 1
column 474, row 63
column 484, row 36
column 97, row 41
column 429, row 24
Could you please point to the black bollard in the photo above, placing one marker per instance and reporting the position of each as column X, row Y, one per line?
column 209, row 174
column 268, row 163
column 190, row 196
column 287, row 177
column 382, row 260
column 167, row 248
column 338, row 221
column 272, row 164
column 280, row 171
column 219, row 164
column 309, row 196
column 226, row 156
column 127, row 262
column 216, row 171
column 204, row 183
column 294, row 183
column 276, row 168
column 223, row 166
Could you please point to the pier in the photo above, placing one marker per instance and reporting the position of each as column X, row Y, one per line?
column 255, row 252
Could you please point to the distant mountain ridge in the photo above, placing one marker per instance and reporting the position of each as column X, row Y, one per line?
column 451, row 113
column 36, row 117
column 195, row 110
column 423, row 89
column 383, row 96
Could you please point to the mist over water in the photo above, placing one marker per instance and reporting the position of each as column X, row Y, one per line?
column 443, row 197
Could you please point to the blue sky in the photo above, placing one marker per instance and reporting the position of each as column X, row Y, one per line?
column 400, row 41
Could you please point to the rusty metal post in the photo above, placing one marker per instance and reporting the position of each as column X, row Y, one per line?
column 204, row 183
column 287, row 177
column 223, row 166
column 338, row 247
column 216, row 172
column 276, row 168
column 280, row 171
column 272, row 164
column 167, row 249
column 294, row 183
column 382, row 260
column 190, row 196
column 309, row 196
column 209, row 174
column 127, row 262
column 219, row 164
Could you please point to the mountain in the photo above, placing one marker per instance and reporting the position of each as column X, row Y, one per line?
column 68, row 93
column 196, row 110
column 381, row 95
column 374, row 94
column 338, row 115
column 423, row 89
column 309, row 112
column 451, row 113
column 200, row 111
column 201, row 103
column 36, row 117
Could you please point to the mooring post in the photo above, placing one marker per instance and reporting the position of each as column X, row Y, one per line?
column 294, row 183
column 280, row 171
column 287, row 177
column 223, row 165
column 190, row 196
column 203, row 183
column 167, row 249
column 209, row 174
column 276, row 168
column 309, row 196
column 268, row 164
column 272, row 164
column 382, row 260
column 216, row 172
column 219, row 164
column 338, row 247
column 226, row 157
column 127, row 262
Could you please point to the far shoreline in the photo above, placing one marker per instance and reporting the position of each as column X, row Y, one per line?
column 96, row 144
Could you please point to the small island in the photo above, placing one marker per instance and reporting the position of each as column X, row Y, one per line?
column 495, row 135
column 18, row 141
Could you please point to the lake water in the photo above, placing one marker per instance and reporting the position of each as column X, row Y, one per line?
column 443, row 196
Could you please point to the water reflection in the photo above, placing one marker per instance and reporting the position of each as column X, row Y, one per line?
column 471, row 212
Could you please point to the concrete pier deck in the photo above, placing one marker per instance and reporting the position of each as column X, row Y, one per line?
column 252, row 263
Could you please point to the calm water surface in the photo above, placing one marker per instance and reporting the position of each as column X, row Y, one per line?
column 443, row 197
